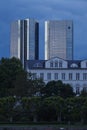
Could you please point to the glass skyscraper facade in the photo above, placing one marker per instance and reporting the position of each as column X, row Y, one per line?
column 59, row 39
column 25, row 40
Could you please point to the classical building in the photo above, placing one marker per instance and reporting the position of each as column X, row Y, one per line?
column 59, row 39
column 73, row 72
column 25, row 40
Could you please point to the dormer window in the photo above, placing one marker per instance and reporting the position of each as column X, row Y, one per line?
column 51, row 64
column 56, row 64
column 38, row 65
column 73, row 65
column 60, row 64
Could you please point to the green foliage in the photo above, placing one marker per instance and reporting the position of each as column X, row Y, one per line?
column 9, row 69
column 24, row 100
column 6, row 109
column 50, row 109
column 14, row 81
column 57, row 88
column 83, row 93
column 35, row 86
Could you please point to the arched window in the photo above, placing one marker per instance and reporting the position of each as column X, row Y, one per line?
column 73, row 65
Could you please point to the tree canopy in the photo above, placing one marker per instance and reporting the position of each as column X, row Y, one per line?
column 14, row 80
column 10, row 69
column 57, row 88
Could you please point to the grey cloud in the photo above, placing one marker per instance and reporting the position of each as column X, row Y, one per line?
column 41, row 10
column 46, row 7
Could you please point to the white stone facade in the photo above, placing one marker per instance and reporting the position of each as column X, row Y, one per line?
column 72, row 72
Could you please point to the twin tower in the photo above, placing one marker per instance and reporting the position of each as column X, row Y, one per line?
column 25, row 39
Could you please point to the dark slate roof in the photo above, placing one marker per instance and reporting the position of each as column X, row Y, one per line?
column 40, row 64
column 31, row 64
column 77, row 62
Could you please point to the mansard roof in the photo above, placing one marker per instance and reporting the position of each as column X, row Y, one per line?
column 71, row 63
column 40, row 64
column 31, row 64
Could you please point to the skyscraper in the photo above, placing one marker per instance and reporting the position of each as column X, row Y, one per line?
column 25, row 40
column 59, row 39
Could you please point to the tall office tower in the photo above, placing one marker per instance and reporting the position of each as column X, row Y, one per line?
column 59, row 39
column 25, row 40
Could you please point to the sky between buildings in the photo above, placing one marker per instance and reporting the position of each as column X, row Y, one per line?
column 41, row 10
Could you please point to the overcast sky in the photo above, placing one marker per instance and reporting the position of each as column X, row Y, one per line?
column 41, row 10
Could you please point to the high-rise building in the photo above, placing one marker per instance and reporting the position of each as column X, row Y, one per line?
column 25, row 40
column 59, row 39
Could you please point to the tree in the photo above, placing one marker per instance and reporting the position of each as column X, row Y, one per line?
column 9, row 70
column 47, row 111
column 20, row 85
column 48, row 90
column 26, row 115
column 83, row 93
column 67, row 91
column 84, row 112
column 58, row 104
column 34, row 87
column 7, row 108
column 74, row 109
column 57, row 88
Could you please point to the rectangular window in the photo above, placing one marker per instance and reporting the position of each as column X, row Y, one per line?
column 77, row 76
column 34, row 75
column 48, row 76
column 84, row 76
column 42, row 76
column 77, row 90
column 63, row 76
column 56, row 76
column 60, row 64
column 51, row 64
column 56, row 64
column 70, row 76
column 85, row 89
